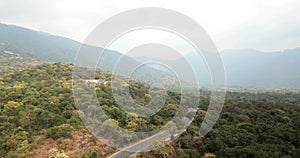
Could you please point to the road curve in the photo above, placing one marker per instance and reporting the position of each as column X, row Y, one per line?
column 139, row 146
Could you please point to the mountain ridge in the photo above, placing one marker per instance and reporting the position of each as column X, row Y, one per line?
column 244, row 67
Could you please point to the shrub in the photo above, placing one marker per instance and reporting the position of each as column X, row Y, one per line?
column 55, row 153
column 91, row 153
column 65, row 143
column 56, row 132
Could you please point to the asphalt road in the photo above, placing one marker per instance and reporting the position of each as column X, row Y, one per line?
column 139, row 146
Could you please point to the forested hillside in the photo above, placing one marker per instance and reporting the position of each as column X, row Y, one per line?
column 37, row 114
column 38, row 119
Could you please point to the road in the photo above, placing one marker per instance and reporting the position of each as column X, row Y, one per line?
column 139, row 146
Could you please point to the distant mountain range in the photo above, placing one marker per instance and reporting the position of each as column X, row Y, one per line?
column 244, row 68
column 252, row 68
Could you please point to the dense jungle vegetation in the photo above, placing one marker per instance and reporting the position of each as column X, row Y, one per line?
column 37, row 113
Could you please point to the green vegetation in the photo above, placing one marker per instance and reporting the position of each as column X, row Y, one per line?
column 36, row 104
column 91, row 153
column 251, row 125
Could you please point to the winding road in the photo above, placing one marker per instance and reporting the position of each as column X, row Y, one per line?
column 139, row 146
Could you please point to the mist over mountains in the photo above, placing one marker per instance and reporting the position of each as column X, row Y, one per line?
column 252, row 68
column 244, row 68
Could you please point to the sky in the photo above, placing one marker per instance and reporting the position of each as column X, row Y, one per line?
column 265, row 25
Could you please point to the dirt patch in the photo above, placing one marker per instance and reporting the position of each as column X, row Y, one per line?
column 80, row 142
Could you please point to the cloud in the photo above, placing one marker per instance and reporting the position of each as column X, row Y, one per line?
column 259, row 24
column 276, row 27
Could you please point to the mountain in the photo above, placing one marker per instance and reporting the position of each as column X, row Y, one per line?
column 253, row 68
column 43, row 46
column 244, row 68
column 23, row 43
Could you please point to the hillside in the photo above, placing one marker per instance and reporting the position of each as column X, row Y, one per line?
column 252, row 68
column 11, row 61
column 247, row 68
column 38, row 116
column 43, row 46
column 244, row 68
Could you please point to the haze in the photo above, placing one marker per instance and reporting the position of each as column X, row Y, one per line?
column 265, row 25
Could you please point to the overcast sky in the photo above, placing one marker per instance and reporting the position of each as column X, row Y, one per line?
column 233, row 24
